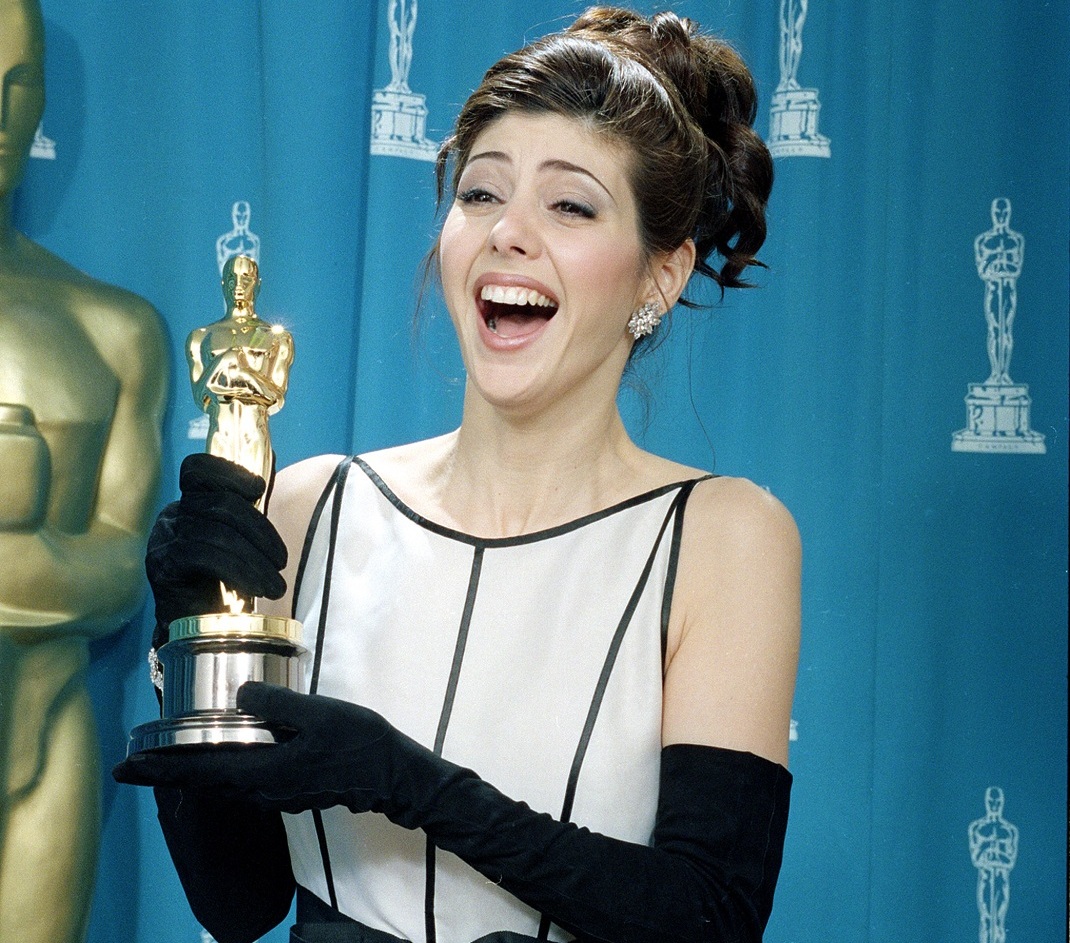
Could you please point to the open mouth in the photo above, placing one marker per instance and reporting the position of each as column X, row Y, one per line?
column 514, row 311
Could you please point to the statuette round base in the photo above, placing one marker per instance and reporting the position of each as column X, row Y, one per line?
column 219, row 728
column 207, row 660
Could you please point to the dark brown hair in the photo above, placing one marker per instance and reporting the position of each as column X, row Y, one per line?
column 682, row 102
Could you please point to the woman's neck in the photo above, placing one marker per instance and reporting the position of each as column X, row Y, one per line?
column 502, row 475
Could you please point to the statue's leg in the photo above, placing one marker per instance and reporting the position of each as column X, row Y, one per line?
column 52, row 832
column 992, row 318
column 1001, row 898
column 983, row 906
column 1008, row 308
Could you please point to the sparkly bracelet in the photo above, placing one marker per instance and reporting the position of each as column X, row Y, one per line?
column 155, row 671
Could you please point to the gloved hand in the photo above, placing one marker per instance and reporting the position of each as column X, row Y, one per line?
column 212, row 534
column 340, row 754
column 709, row 874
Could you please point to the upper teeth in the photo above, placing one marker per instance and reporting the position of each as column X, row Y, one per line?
column 515, row 296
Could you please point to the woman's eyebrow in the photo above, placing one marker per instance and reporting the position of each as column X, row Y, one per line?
column 551, row 164
column 558, row 164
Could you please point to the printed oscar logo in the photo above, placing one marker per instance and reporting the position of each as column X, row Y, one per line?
column 794, row 110
column 241, row 240
column 42, row 148
column 997, row 411
column 239, row 368
column 993, row 850
column 399, row 115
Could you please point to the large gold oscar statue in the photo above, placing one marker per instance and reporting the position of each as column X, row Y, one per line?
column 82, row 386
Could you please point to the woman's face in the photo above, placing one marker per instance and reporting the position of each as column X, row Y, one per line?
column 542, row 264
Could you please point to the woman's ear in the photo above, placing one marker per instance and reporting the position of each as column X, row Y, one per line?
column 669, row 273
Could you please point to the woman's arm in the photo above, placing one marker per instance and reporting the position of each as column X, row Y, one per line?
column 734, row 631
column 708, row 876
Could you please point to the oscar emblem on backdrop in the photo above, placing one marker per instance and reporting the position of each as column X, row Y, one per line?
column 997, row 411
column 794, row 110
column 42, row 148
column 239, row 370
column 241, row 240
column 83, row 377
column 994, row 851
column 399, row 115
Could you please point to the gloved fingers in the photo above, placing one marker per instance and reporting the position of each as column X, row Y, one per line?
column 147, row 769
column 326, row 726
column 189, row 571
column 229, row 771
column 211, row 551
column 231, row 513
column 201, row 472
column 215, row 537
column 274, row 703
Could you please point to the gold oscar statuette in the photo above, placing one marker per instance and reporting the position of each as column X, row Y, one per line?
column 239, row 368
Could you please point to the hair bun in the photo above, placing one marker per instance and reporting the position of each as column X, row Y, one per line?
column 707, row 73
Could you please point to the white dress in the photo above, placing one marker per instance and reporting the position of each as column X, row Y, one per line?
column 535, row 661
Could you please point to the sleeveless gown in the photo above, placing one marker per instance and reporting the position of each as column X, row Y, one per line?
column 534, row 660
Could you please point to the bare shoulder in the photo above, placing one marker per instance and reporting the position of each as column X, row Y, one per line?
column 727, row 516
column 734, row 628
column 740, row 548
column 412, row 459
column 410, row 470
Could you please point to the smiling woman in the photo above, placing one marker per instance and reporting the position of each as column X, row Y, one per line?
column 558, row 668
column 544, row 205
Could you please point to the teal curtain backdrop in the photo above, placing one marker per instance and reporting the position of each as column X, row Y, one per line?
column 934, row 656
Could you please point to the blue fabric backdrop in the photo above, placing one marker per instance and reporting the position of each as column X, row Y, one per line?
column 934, row 655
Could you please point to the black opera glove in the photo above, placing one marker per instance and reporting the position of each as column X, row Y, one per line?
column 232, row 860
column 340, row 754
column 212, row 534
column 708, row 876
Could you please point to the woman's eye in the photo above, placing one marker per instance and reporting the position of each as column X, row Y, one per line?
column 575, row 208
column 475, row 195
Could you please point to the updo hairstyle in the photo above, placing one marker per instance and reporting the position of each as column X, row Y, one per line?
column 682, row 103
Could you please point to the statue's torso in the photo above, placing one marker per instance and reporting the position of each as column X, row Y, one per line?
column 52, row 365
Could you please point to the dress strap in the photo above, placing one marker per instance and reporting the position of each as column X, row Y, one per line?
column 337, row 477
column 677, row 512
column 335, row 486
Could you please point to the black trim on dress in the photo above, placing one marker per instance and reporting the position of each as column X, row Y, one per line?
column 328, row 568
column 490, row 542
column 480, row 544
column 674, row 559
column 603, row 679
column 310, row 533
column 325, row 856
column 337, row 482
column 443, row 725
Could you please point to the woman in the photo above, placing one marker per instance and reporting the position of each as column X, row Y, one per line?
column 532, row 601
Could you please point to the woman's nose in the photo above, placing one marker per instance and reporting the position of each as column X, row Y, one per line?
column 514, row 232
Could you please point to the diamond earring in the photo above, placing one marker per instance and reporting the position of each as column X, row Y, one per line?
column 645, row 320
